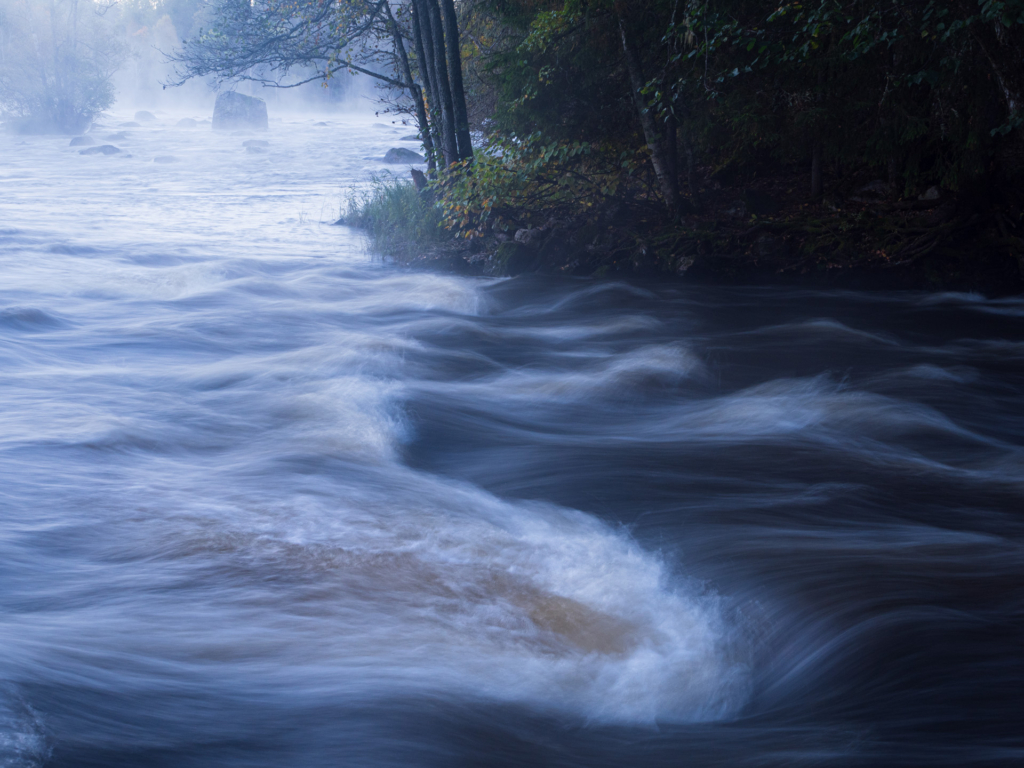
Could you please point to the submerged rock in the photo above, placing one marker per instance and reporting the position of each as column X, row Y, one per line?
column 82, row 141
column 119, row 136
column 233, row 111
column 414, row 137
column 402, row 155
column 103, row 149
column 186, row 122
column 165, row 159
column 255, row 143
column 129, row 125
column 145, row 117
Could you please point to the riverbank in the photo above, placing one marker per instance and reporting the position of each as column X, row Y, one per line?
column 746, row 232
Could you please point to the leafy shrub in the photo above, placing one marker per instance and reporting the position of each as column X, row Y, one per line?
column 56, row 63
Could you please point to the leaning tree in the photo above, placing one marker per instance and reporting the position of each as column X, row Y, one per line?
column 411, row 48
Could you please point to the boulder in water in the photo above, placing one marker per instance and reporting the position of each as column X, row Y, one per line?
column 402, row 155
column 82, row 141
column 165, row 159
column 233, row 111
column 119, row 136
column 145, row 117
column 186, row 122
column 102, row 149
column 255, row 143
column 255, row 150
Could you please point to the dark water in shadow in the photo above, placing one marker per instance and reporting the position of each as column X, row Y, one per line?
column 266, row 503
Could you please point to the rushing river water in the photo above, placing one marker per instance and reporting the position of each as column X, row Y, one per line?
column 265, row 501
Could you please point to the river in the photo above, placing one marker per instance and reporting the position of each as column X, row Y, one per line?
column 268, row 501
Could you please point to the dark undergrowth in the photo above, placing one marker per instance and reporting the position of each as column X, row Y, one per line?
column 749, row 232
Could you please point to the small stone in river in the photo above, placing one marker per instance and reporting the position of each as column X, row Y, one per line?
column 186, row 122
column 255, row 143
column 256, row 150
column 119, row 136
column 145, row 117
column 82, row 141
column 103, row 149
column 321, row 123
column 414, row 137
column 402, row 155
column 165, row 159
column 129, row 125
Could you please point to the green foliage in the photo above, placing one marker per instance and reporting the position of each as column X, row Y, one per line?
column 395, row 215
column 919, row 92
column 519, row 182
column 918, row 89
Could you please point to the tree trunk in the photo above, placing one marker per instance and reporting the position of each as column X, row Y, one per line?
column 671, row 149
column 459, row 111
column 659, row 156
column 425, row 55
column 414, row 91
column 435, row 36
column 817, row 188
column 691, row 170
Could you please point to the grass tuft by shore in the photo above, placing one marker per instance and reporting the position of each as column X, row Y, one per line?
column 399, row 221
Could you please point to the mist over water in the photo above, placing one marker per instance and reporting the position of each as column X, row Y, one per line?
column 267, row 501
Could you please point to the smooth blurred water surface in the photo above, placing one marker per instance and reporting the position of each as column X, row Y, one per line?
column 266, row 501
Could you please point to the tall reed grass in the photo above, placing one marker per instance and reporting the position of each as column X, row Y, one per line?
column 401, row 221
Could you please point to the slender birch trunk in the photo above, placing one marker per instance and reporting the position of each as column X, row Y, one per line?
column 659, row 155
column 414, row 90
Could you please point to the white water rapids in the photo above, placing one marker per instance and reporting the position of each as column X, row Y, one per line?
column 267, row 501
column 202, row 481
